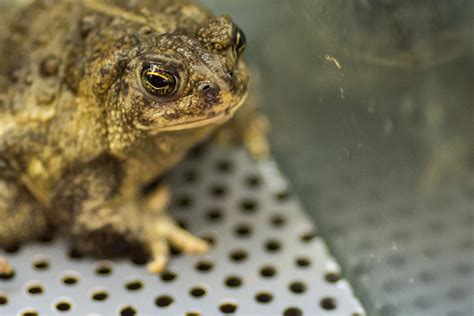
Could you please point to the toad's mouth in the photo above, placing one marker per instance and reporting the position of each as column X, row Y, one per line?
column 219, row 118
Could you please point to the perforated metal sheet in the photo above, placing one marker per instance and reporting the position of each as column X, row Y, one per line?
column 266, row 258
column 408, row 255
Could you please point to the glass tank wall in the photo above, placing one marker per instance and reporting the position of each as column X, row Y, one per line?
column 371, row 104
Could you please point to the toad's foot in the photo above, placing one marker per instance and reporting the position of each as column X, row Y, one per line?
column 165, row 231
column 5, row 267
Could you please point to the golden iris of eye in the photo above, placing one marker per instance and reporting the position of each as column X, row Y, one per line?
column 240, row 42
column 158, row 81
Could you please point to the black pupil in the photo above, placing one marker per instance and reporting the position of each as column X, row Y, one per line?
column 158, row 81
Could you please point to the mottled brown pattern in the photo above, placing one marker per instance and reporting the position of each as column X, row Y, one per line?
column 78, row 132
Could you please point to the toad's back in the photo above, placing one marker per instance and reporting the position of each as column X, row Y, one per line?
column 46, row 48
column 30, row 34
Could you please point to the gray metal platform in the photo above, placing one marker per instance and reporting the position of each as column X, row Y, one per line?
column 266, row 258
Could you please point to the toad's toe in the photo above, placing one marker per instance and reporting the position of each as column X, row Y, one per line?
column 5, row 267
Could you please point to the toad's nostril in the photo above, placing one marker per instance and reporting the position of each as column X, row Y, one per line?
column 204, row 86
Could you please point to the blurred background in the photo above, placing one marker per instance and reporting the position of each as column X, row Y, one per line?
column 371, row 104
column 372, row 111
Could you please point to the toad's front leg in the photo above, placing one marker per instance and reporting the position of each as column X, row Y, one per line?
column 107, row 223
column 161, row 231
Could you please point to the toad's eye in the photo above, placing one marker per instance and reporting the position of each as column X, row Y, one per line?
column 240, row 41
column 158, row 81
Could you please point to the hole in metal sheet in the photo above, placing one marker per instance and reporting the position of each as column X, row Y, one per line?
column 63, row 306
column 387, row 310
column 70, row 280
column 297, row 287
column 164, row 301
column 391, row 286
column 103, row 270
column 278, row 220
column 224, row 166
column 332, row 277
column 243, row 230
column 197, row 152
column 238, row 255
column 14, row 248
column 464, row 268
column 292, row 311
column 182, row 223
column 248, row 206
column 436, row 227
column 431, row 252
column 253, row 181
column 282, row 196
column 272, row 245
column 467, row 244
column 175, row 252
column 427, row 276
column 75, row 254
column 46, row 238
column 369, row 219
column 209, row 239
column 214, row 215
column 184, row 201
column 3, row 299
column 168, row 276
column 395, row 260
column 204, row 266
column 233, row 281
column 365, row 245
column 140, row 259
column 303, row 262
column 29, row 312
column 197, row 292
column 361, row 268
column 35, row 289
column 190, row 176
column 7, row 276
column 328, row 303
column 134, row 285
column 423, row 302
column 193, row 314
column 402, row 235
column 100, row 296
column 458, row 294
column 307, row 237
column 263, row 297
column 218, row 190
column 268, row 271
column 128, row 311
column 41, row 264
column 228, row 308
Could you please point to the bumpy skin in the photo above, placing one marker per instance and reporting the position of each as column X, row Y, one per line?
column 79, row 135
